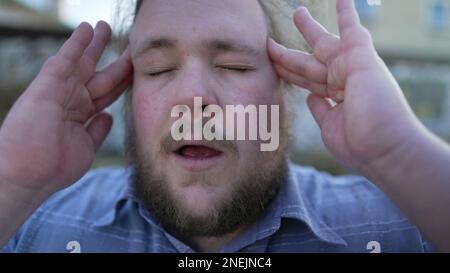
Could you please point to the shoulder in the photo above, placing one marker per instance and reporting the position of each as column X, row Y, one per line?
column 91, row 197
column 74, row 212
column 323, row 189
column 344, row 200
column 356, row 209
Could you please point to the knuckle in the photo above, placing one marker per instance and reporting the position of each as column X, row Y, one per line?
column 310, row 67
column 106, row 81
column 301, row 66
column 360, row 33
column 52, row 64
column 324, row 44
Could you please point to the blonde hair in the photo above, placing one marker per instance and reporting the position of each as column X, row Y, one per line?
column 278, row 13
column 279, row 16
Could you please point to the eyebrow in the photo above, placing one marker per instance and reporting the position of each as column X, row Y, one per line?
column 232, row 46
column 217, row 45
column 155, row 43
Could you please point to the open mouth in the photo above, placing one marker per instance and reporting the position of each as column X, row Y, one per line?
column 197, row 156
column 197, row 152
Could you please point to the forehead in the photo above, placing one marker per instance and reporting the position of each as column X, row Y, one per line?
column 200, row 20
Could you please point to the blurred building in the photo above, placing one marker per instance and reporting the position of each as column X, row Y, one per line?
column 27, row 38
column 18, row 19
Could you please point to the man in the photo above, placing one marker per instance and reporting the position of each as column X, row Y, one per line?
column 218, row 195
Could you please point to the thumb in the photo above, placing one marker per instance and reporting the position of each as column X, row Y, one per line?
column 319, row 107
column 99, row 128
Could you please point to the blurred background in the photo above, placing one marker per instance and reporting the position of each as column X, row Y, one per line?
column 412, row 36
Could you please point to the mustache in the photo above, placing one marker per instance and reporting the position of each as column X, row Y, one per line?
column 168, row 144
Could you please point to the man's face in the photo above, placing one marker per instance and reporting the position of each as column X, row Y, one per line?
column 216, row 50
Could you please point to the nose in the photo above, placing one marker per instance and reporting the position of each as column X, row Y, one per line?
column 195, row 81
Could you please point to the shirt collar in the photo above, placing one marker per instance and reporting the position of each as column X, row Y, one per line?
column 290, row 202
column 125, row 193
column 295, row 204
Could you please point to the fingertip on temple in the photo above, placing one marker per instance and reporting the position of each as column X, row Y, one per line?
column 274, row 49
column 301, row 13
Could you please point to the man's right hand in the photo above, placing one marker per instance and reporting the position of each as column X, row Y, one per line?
column 50, row 136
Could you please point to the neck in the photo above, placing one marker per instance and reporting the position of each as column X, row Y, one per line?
column 213, row 244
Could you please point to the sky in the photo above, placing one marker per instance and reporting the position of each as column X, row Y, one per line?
column 73, row 12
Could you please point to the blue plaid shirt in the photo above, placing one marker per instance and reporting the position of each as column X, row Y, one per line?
column 313, row 212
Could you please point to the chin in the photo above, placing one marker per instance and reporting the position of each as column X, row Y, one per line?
column 199, row 199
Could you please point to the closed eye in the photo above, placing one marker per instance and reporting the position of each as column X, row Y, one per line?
column 160, row 72
column 237, row 68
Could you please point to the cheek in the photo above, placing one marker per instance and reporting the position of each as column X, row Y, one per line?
column 150, row 112
column 260, row 89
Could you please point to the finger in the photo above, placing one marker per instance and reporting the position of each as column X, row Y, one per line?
column 324, row 44
column 347, row 14
column 107, row 80
column 306, row 65
column 75, row 46
column 108, row 99
column 99, row 128
column 102, row 35
column 352, row 32
column 300, row 81
column 319, row 107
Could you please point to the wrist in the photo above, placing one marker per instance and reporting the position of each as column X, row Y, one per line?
column 16, row 185
column 17, row 203
column 401, row 159
column 26, row 198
